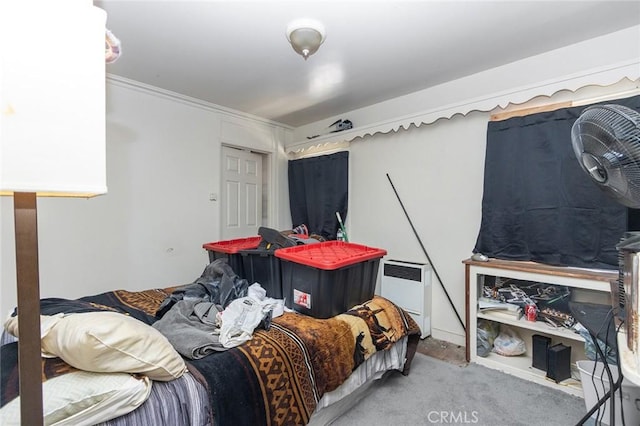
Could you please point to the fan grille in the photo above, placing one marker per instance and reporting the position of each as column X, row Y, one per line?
column 606, row 141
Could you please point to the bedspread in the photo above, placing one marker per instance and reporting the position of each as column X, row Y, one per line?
column 285, row 371
column 278, row 377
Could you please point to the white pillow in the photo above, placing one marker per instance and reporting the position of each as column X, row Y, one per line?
column 108, row 342
column 84, row 398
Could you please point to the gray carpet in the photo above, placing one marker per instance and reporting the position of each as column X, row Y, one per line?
column 437, row 392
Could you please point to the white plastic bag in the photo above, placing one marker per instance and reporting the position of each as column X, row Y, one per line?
column 239, row 319
column 508, row 343
column 243, row 315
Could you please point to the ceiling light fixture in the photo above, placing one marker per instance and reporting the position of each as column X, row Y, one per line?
column 305, row 36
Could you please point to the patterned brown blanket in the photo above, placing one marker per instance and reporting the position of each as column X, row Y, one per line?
column 278, row 377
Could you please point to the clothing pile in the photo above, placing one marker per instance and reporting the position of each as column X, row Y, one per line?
column 218, row 311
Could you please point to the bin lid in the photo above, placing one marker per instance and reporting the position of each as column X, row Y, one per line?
column 233, row 246
column 329, row 255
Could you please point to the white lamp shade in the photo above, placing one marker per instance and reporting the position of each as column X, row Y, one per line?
column 52, row 98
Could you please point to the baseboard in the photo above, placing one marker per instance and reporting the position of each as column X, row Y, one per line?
column 447, row 336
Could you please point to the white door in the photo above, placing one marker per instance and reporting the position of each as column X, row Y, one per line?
column 241, row 193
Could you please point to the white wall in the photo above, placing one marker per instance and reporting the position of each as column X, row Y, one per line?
column 437, row 171
column 163, row 157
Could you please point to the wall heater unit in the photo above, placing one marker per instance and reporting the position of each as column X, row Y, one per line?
column 408, row 285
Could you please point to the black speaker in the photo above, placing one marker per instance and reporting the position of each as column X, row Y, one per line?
column 559, row 362
column 540, row 347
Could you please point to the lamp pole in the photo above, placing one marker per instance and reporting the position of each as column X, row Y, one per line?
column 27, row 274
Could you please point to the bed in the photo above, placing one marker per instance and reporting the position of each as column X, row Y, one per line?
column 300, row 370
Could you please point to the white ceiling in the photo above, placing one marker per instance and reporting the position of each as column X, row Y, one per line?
column 235, row 53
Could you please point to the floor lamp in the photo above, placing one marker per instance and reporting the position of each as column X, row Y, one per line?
column 52, row 141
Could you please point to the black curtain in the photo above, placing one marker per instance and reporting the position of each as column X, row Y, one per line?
column 318, row 188
column 538, row 204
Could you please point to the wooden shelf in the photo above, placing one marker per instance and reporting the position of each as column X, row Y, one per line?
column 521, row 366
column 603, row 275
column 586, row 286
column 537, row 326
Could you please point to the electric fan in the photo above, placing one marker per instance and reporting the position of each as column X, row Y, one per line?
column 606, row 141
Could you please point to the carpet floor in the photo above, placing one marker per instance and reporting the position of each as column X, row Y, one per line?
column 441, row 392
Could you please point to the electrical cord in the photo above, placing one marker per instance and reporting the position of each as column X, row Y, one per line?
column 593, row 377
column 608, row 318
column 604, row 352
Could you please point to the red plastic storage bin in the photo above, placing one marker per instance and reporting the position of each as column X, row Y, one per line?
column 326, row 279
column 230, row 249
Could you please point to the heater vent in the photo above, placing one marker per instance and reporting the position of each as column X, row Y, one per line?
column 406, row 271
column 408, row 285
